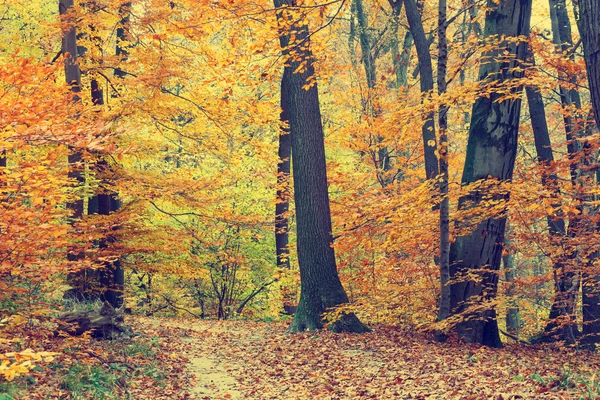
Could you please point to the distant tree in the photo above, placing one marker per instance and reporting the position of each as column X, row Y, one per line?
column 415, row 21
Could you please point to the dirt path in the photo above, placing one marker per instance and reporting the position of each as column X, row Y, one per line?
column 213, row 378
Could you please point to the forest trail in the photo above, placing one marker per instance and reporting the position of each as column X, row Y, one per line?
column 250, row 360
column 213, row 379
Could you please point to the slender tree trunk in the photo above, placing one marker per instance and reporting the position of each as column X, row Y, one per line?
column 588, row 16
column 444, row 309
column 400, row 57
column 282, row 205
column 491, row 150
column 76, row 207
column 372, row 107
column 563, row 305
column 513, row 319
column 426, row 70
column 113, row 276
column 321, row 288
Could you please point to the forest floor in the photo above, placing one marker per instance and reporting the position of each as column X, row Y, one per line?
column 192, row 359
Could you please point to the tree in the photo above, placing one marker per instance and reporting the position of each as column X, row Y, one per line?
column 426, row 70
column 282, row 206
column 73, row 78
column 491, row 150
column 444, row 309
column 321, row 288
column 588, row 13
column 564, row 301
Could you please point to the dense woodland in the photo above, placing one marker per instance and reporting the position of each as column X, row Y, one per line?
column 423, row 173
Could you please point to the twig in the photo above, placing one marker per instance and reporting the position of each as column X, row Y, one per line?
column 105, row 361
column 513, row 337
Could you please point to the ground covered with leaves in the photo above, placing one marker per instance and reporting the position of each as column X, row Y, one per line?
column 193, row 359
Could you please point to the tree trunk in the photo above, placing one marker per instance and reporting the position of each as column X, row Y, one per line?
column 282, row 205
column 491, row 150
column 400, row 58
column 513, row 320
column 588, row 13
column 444, row 309
column 73, row 78
column 382, row 158
column 589, row 27
column 426, row 70
column 563, row 305
column 321, row 288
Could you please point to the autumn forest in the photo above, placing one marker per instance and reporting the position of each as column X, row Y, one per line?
column 300, row 199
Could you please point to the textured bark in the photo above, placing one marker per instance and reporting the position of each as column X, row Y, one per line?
column 444, row 307
column 588, row 13
column 491, row 150
column 589, row 27
column 283, row 177
column 426, row 71
column 321, row 288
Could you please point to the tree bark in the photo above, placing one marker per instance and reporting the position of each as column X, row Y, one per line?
column 400, row 57
column 77, row 279
column 444, row 307
column 282, row 205
column 513, row 320
column 321, row 288
column 588, row 16
column 491, row 150
column 112, row 277
column 426, row 71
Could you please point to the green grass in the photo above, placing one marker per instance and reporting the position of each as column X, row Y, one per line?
column 9, row 390
column 95, row 381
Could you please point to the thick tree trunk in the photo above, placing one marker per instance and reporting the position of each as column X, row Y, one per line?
column 589, row 27
column 282, row 205
column 588, row 13
column 491, row 150
column 321, row 288
column 426, row 70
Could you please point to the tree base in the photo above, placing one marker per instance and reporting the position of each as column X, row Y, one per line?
column 349, row 322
